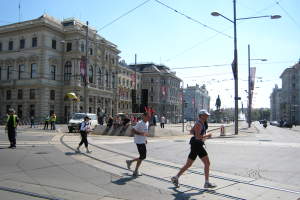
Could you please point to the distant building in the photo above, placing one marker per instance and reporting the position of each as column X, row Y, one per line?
column 40, row 62
column 160, row 90
column 195, row 99
column 285, row 102
column 275, row 104
column 129, row 89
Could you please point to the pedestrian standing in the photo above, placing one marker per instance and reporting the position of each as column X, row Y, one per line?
column 85, row 128
column 52, row 121
column 197, row 149
column 140, row 131
column 162, row 122
column 11, row 126
column 32, row 121
column 47, row 119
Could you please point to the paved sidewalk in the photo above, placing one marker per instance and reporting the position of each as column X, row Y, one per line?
column 158, row 173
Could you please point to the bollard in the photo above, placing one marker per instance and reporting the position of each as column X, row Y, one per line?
column 222, row 130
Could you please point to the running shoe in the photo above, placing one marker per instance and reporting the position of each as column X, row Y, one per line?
column 136, row 173
column 175, row 181
column 128, row 162
column 209, row 185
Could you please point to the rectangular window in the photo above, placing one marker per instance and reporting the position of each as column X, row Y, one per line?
column 34, row 42
column 69, row 46
column 52, row 109
column 53, row 44
column 32, row 94
column 7, row 108
column 21, row 71
column 9, row 72
column 52, row 94
column 20, row 94
column 91, row 51
column 0, row 73
column 0, row 46
column 32, row 110
column 20, row 111
column 33, row 73
column 10, row 45
column 8, row 94
column 22, row 43
column 52, row 71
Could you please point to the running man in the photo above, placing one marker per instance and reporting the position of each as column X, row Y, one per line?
column 140, row 131
column 197, row 149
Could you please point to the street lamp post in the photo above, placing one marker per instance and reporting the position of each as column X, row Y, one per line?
column 85, row 93
column 249, row 87
column 235, row 59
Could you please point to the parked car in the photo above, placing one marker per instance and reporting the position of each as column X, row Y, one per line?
column 274, row 123
column 77, row 118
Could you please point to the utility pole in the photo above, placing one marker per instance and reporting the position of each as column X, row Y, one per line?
column 182, row 105
column 235, row 65
column 135, row 84
column 85, row 107
column 249, row 90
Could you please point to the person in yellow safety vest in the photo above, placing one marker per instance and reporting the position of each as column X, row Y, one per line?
column 47, row 119
column 52, row 121
column 11, row 125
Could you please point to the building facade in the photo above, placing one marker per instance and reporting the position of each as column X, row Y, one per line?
column 195, row 99
column 129, row 89
column 160, row 90
column 285, row 102
column 42, row 60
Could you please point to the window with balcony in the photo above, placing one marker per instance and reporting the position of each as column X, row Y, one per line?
column 67, row 71
column 33, row 70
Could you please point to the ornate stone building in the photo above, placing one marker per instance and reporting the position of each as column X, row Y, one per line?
column 40, row 63
column 160, row 90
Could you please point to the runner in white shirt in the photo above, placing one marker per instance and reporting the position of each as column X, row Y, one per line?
column 140, row 131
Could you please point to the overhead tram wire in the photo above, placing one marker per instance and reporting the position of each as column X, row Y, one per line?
column 203, row 66
column 192, row 19
column 286, row 12
column 123, row 15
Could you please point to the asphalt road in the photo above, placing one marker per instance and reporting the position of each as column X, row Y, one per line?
column 271, row 154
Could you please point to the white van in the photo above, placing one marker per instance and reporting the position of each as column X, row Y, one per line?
column 77, row 118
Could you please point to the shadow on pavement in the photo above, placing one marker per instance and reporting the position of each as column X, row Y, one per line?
column 124, row 180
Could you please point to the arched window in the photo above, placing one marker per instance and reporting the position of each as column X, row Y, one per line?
column 68, row 71
column 91, row 73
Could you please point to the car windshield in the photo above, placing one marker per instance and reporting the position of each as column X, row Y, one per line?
column 93, row 117
column 78, row 116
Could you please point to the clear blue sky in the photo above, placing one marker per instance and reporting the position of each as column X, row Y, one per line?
column 160, row 35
